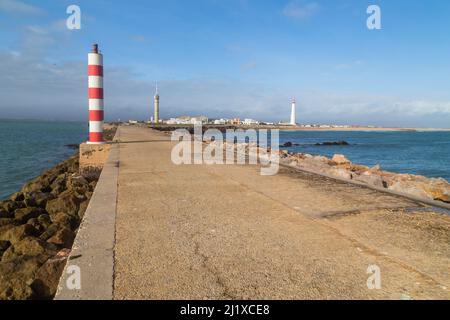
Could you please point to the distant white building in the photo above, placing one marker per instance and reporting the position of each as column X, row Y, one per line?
column 172, row 121
column 249, row 122
column 221, row 121
column 188, row 120
column 199, row 120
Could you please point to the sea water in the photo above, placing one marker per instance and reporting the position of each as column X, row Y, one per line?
column 27, row 148
column 422, row 153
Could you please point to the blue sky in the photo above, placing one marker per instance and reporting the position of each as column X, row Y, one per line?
column 225, row 58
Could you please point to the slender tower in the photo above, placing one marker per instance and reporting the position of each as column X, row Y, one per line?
column 293, row 117
column 156, row 106
column 95, row 75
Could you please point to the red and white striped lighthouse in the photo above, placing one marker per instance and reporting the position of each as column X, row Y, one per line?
column 95, row 73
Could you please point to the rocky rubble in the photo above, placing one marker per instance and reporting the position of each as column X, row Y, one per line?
column 37, row 230
column 340, row 167
column 38, row 225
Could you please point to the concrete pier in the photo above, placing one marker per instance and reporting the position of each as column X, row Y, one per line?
column 154, row 230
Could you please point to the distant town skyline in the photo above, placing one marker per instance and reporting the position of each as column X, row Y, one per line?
column 231, row 59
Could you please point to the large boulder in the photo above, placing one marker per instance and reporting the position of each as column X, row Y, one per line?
column 83, row 207
column 63, row 238
column 25, row 214
column 31, row 247
column 340, row 173
column 321, row 159
column 34, row 222
column 15, row 288
column 64, row 220
column 47, row 277
column 18, row 196
column 422, row 187
column 17, row 275
column 18, row 233
column 438, row 189
column 370, row 179
column 92, row 185
column 314, row 164
column 5, row 214
column 4, row 245
column 44, row 220
column 11, row 206
column 59, row 184
column 356, row 168
column 6, row 222
column 67, row 202
column 40, row 184
column 72, row 165
column 411, row 188
column 340, row 159
column 37, row 199
column 75, row 180
column 51, row 231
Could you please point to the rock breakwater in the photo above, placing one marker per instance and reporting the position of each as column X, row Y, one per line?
column 339, row 166
column 38, row 225
column 37, row 228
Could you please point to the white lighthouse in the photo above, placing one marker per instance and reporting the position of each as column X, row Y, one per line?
column 293, row 116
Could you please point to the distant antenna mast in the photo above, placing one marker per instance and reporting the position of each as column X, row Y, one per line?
column 156, row 105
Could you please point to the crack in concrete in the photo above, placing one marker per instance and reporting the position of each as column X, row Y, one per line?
column 219, row 281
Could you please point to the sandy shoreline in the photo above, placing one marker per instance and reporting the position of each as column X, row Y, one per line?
column 171, row 127
column 356, row 129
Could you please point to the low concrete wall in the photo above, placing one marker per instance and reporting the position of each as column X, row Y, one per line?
column 433, row 203
column 93, row 250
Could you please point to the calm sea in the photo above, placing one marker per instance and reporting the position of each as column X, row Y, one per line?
column 27, row 148
column 423, row 153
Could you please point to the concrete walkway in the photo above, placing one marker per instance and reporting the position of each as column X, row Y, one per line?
column 225, row 232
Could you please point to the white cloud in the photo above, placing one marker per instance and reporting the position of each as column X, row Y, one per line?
column 32, row 88
column 16, row 6
column 37, row 29
column 36, row 39
column 301, row 10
